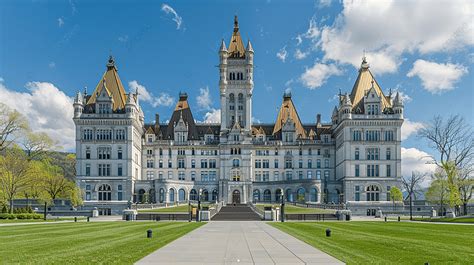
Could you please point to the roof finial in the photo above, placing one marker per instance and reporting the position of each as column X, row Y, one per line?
column 372, row 82
column 85, row 90
column 236, row 24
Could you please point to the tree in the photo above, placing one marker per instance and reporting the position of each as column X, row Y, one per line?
column 438, row 192
column 11, row 124
column 15, row 171
column 53, row 181
column 395, row 195
column 36, row 144
column 412, row 187
column 453, row 139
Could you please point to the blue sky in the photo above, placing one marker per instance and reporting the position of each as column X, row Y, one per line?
column 51, row 49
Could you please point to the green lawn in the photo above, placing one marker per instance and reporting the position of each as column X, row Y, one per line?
column 3, row 221
column 447, row 220
column 176, row 209
column 86, row 243
column 388, row 243
column 290, row 209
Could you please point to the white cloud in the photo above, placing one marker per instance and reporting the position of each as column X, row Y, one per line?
column 282, row 54
column 324, row 3
column 299, row 55
column 387, row 29
column 213, row 116
column 60, row 22
column 52, row 65
column 47, row 109
column 123, row 38
column 415, row 160
column 164, row 99
column 410, row 127
column 317, row 75
column 176, row 18
column 437, row 77
column 255, row 120
column 204, row 100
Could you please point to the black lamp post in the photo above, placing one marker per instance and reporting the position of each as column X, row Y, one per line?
column 198, row 219
column 282, row 211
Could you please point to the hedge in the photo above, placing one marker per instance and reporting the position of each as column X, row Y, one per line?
column 21, row 216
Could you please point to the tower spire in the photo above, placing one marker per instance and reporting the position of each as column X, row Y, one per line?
column 236, row 24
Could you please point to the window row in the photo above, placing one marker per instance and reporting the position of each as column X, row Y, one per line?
column 103, row 134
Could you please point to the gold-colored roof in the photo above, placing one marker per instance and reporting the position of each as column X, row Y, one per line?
column 236, row 45
column 288, row 110
column 364, row 83
column 113, row 86
column 182, row 103
column 150, row 130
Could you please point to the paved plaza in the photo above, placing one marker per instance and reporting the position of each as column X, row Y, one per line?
column 238, row 243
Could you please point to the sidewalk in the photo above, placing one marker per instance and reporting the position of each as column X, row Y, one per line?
column 238, row 243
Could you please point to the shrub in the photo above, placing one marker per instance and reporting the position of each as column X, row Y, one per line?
column 4, row 215
column 37, row 216
column 21, row 216
column 4, row 209
column 11, row 216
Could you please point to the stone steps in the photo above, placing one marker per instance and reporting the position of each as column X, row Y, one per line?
column 239, row 212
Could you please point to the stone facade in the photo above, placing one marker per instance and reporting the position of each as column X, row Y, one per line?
column 355, row 159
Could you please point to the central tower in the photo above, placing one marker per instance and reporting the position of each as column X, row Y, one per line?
column 236, row 83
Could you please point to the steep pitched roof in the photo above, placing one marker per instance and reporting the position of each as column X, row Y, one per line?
column 364, row 82
column 288, row 110
column 236, row 45
column 182, row 110
column 114, row 87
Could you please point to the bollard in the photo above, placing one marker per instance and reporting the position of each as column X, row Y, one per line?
column 88, row 218
column 75, row 219
column 328, row 232
column 385, row 218
column 149, row 233
column 399, row 218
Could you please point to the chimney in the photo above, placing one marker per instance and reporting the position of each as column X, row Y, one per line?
column 157, row 123
column 318, row 120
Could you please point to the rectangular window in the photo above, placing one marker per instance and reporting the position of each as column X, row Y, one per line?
column 212, row 163
column 170, row 163
column 203, row 163
column 258, row 176
column 288, row 163
column 388, row 135
column 193, row 175
column 266, row 176
column 88, row 154
column 150, row 175
column 310, row 174
column 318, row 174
column 266, row 163
column 318, row 163
column 119, row 196
column 276, row 176
column 193, row 163
column 170, row 174
column 289, row 175
column 119, row 170
column 356, row 136
column 357, row 171
column 300, row 163
column 389, row 155
column 119, row 154
column 204, row 176
column 181, row 175
column 357, row 193
column 180, row 163
column 161, row 163
column 160, row 175
column 389, row 171
column 258, row 163
column 88, row 196
column 276, row 163
column 310, row 163
column 326, row 163
column 149, row 164
column 372, row 153
column 88, row 169
column 388, row 193
column 300, row 174
column 326, row 175
column 356, row 155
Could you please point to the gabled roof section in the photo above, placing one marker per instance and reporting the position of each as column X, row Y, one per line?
column 113, row 85
column 288, row 110
column 364, row 82
column 183, row 111
column 236, row 45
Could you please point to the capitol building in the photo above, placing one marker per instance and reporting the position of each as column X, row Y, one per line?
column 355, row 159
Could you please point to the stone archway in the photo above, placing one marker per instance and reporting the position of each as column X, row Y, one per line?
column 236, row 197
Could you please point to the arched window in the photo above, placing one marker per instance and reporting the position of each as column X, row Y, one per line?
column 256, row 195
column 231, row 98
column 289, row 195
column 267, row 195
column 205, row 195
column 235, row 163
column 300, row 195
column 171, row 195
column 141, row 196
column 193, row 195
column 313, row 195
column 105, row 192
column 152, row 195
column 278, row 195
column 162, row 195
column 214, row 195
column 181, row 195
column 241, row 98
column 373, row 193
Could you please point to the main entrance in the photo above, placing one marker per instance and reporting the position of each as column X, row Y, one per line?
column 236, row 196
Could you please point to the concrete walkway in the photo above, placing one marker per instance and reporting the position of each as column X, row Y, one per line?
column 231, row 242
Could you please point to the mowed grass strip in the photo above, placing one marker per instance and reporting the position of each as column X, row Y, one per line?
column 388, row 243
column 86, row 243
column 184, row 208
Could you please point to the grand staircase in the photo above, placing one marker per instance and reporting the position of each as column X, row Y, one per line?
column 239, row 212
